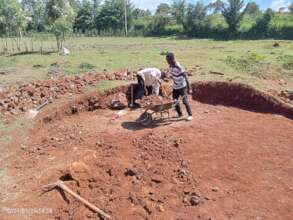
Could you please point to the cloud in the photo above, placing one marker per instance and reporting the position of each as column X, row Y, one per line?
column 153, row 4
column 277, row 4
column 149, row 4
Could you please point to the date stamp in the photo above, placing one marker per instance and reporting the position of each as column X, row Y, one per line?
column 27, row 211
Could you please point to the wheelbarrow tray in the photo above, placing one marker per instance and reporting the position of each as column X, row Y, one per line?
column 146, row 118
column 161, row 107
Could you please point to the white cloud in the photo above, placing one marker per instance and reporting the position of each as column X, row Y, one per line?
column 149, row 4
column 153, row 4
column 277, row 4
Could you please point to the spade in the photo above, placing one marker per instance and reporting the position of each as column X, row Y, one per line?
column 32, row 113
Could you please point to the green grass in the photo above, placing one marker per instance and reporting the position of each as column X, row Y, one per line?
column 17, row 125
column 118, row 53
column 5, row 180
column 106, row 85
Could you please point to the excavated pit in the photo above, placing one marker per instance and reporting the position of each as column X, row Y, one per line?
column 215, row 93
column 177, row 171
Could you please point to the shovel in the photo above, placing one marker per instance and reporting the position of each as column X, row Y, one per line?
column 32, row 113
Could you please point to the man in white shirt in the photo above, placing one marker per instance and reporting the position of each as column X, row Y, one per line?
column 151, row 78
column 149, row 82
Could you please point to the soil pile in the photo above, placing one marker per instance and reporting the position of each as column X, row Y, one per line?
column 88, row 102
column 117, row 101
column 154, row 184
column 19, row 98
column 152, row 100
column 287, row 95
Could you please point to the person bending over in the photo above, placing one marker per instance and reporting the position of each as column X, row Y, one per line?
column 149, row 82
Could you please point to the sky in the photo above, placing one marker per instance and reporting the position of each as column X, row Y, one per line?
column 264, row 4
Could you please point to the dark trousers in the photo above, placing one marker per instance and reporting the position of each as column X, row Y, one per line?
column 139, row 93
column 182, row 93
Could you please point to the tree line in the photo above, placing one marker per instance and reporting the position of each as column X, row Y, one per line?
column 232, row 19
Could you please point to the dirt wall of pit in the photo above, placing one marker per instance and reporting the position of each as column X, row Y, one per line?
column 88, row 102
column 215, row 93
column 241, row 96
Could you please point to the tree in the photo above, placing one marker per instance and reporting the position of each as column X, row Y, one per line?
column 233, row 14
column 60, row 17
column 35, row 12
column 161, row 19
column 282, row 9
column 75, row 4
column 291, row 8
column 163, row 10
column 252, row 9
column 261, row 28
column 85, row 18
column 96, row 3
column 12, row 19
column 111, row 16
column 216, row 6
column 138, row 13
column 179, row 10
column 194, row 23
column 158, row 24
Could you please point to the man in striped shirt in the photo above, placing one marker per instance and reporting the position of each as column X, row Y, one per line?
column 180, row 85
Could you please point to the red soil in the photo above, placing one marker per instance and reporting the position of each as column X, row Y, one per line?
column 240, row 95
column 227, row 163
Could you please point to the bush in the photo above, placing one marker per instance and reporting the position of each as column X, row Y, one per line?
column 86, row 66
column 281, row 26
column 250, row 63
column 287, row 61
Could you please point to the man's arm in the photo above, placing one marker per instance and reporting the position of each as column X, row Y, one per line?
column 142, row 75
column 157, row 81
column 156, row 87
column 187, row 83
column 145, row 90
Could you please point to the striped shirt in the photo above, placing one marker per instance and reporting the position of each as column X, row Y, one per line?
column 178, row 76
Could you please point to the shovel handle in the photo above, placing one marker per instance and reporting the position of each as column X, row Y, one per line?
column 132, row 96
column 43, row 105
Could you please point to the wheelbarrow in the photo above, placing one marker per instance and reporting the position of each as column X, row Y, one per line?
column 146, row 118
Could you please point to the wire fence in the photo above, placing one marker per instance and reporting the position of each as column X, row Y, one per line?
column 44, row 43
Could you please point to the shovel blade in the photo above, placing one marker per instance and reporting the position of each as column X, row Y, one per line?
column 31, row 114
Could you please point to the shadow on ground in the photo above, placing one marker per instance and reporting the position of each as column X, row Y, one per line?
column 135, row 126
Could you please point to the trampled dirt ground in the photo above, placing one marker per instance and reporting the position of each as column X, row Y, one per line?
column 227, row 163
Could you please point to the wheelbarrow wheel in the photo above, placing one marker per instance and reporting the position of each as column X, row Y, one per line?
column 145, row 119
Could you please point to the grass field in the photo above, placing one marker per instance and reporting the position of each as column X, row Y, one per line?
column 239, row 60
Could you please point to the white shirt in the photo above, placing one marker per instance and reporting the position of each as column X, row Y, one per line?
column 151, row 77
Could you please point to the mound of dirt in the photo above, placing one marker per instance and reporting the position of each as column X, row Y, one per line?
column 287, row 95
column 117, row 101
column 157, row 182
column 240, row 95
column 19, row 98
column 87, row 102
column 153, row 100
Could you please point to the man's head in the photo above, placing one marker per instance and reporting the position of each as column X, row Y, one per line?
column 164, row 75
column 170, row 57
